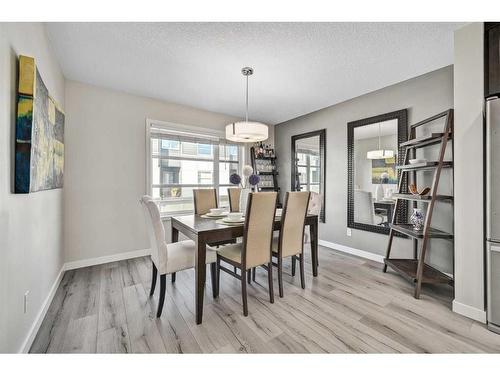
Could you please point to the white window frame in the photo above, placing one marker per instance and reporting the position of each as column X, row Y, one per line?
column 188, row 130
column 308, row 167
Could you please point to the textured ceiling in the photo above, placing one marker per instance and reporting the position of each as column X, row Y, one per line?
column 299, row 67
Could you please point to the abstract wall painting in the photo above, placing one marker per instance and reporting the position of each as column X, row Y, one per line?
column 39, row 150
column 384, row 171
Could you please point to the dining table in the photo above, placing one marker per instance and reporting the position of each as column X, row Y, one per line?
column 204, row 231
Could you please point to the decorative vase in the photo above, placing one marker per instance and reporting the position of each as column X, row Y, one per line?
column 244, row 199
column 417, row 219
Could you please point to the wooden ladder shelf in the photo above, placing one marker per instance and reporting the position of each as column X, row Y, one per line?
column 415, row 269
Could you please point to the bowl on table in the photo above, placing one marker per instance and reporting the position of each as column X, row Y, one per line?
column 234, row 217
column 216, row 212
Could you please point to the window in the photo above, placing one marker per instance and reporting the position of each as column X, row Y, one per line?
column 308, row 168
column 181, row 161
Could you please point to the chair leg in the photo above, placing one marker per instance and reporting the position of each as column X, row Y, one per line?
column 293, row 265
column 280, row 276
column 153, row 280
column 249, row 276
column 270, row 280
column 254, row 271
column 213, row 275
column 244, row 291
column 163, row 285
column 302, row 276
column 173, row 277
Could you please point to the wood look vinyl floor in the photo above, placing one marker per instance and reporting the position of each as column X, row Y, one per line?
column 351, row 307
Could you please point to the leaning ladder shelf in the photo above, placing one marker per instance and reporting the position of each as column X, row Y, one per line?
column 416, row 270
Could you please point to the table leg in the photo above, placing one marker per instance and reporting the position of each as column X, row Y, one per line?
column 175, row 234
column 313, row 230
column 175, row 238
column 200, row 275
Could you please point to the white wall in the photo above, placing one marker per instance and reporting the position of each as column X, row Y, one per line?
column 423, row 96
column 105, row 166
column 31, row 252
column 469, row 211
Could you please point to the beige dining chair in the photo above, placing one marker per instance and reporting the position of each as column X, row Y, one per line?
column 255, row 250
column 204, row 200
column 234, row 199
column 314, row 208
column 290, row 242
column 173, row 257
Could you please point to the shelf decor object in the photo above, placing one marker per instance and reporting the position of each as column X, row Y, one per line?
column 264, row 166
column 247, row 131
column 419, row 229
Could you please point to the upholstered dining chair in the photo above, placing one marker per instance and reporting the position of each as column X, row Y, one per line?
column 234, row 199
column 290, row 242
column 255, row 250
column 204, row 200
column 170, row 258
column 314, row 208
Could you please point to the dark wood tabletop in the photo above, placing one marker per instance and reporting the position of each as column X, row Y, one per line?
column 207, row 231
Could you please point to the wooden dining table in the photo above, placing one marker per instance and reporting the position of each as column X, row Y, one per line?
column 205, row 231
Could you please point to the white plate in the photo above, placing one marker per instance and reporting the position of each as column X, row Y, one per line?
column 216, row 215
column 232, row 221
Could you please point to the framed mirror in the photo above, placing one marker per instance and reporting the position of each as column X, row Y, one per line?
column 309, row 164
column 373, row 147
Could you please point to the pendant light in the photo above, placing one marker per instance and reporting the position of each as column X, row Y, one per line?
column 247, row 131
column 380, row 153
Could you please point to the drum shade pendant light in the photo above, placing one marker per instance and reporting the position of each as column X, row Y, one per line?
column 247, row 131
column 380, row 153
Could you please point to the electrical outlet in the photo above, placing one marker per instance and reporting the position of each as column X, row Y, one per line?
column 26, row 294
column 349, row 232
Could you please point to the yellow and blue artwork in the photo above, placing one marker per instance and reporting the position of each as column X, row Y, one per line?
column 39, row 150
column 384, row 171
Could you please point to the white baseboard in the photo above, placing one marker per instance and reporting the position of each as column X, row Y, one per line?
column 106, row 259
column 25, row 347
column 469, row 311
column 350, row 250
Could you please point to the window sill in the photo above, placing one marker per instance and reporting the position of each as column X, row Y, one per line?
column 168, row 217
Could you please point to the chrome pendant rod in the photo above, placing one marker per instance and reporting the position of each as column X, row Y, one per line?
column 246, row 116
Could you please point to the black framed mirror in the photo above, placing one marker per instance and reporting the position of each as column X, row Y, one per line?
column 373, row 152
column 308, row 162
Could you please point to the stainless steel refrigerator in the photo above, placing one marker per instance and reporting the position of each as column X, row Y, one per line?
column 493, row 212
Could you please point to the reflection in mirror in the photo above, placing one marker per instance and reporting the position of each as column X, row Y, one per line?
column 308, row 164
column 373, row 147
column 307, row 152
column 375, row 177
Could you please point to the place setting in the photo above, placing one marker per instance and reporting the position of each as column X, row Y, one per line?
column 216, row 213
column 232, row 218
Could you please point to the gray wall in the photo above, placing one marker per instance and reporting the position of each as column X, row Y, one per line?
column 31, row 250
column 423, row 96
column 469, row 241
